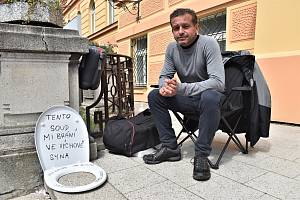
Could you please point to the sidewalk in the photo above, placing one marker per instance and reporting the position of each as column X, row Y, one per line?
column 270, row 171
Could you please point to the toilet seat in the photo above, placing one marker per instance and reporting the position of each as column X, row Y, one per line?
column 62, row 145
column 53, row 175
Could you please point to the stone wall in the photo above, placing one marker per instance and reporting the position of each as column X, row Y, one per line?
column 38, row 69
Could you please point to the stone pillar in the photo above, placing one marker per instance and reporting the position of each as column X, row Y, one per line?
column 73, row 81
column 38, row 69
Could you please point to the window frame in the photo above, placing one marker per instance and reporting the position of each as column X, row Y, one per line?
column 140, row 58
column 111, row 12
column 220, row 27
column 92, row 16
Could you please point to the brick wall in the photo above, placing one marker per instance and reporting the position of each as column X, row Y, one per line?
column 154, row 71
column 149, row 7
column 123, row 47
column 158, row 42
column 243, row 21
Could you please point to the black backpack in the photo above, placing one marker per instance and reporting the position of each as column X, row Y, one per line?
column 90, row 69
column 129, row 136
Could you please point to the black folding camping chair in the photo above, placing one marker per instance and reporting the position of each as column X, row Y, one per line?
column 236, row 106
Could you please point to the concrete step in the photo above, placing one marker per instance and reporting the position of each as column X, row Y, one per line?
column 20, row 173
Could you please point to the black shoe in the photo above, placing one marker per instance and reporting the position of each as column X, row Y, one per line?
column 201, row 169
column 163, row 154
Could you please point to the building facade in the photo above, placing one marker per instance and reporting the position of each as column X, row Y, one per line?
column 140, row 29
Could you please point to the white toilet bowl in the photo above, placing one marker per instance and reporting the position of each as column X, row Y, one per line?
column 62, row 144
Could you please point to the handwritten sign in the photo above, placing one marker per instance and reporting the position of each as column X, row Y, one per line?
column 63, row 136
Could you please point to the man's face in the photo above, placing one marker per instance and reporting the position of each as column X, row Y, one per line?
column 183, row 29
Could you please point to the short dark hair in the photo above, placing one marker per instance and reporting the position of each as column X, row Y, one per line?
column 183, row 11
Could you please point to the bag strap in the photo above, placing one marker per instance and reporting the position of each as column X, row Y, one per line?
column 132, row 136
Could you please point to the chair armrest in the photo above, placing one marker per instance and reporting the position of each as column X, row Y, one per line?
column 245, row 88
column 154, row 86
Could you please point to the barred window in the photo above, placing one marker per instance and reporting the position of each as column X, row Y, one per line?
column 215, row 26
column 139, row 51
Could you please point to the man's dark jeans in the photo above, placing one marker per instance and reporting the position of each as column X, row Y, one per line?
column 206, row 105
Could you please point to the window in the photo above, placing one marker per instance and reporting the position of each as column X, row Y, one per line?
column 139, row 51
column 111, row 12
column 215, row 26
column 75, row 23
column 92, row 16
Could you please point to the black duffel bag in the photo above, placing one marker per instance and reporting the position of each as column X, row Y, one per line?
column 129, row 136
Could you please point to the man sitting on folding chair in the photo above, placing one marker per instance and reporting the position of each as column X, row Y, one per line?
column 198, row 63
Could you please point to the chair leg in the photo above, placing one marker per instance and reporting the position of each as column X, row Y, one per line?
column 179, row 134
column 247, row 145
column 184, row 139
column 238, row 143
column 216, row 165
column 189, row 135
column 231, row 136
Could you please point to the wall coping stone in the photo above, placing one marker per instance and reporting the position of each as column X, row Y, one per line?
column 42, row 13
column 28, row 38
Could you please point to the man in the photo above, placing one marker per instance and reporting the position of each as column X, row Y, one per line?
column 198, row 63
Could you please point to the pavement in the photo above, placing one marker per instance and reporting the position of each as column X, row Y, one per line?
column 270, row 171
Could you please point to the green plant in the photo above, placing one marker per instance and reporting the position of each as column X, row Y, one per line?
column 108, row 48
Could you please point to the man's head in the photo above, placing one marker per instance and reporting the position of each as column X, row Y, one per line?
column 184, row 26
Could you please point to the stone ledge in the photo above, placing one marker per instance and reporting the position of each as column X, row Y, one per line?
column 29, row 38
column 23, row 12
column 9, row 144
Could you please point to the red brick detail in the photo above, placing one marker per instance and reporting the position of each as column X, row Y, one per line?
column 149, row 7
column 159, row 42
column 243, row 23
column 153, row 72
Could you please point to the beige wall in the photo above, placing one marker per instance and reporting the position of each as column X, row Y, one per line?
column 268, row 28
column 153, row 18
column 277, row 27
column 240, row 26
column 71, row 10
column 157, row 44
column 277, row 48
column 155, row 24
column 83, row 6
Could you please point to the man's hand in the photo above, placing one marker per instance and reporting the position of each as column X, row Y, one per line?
column 169, row 89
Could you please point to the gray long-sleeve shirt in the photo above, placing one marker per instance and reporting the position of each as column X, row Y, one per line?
column 198, row 67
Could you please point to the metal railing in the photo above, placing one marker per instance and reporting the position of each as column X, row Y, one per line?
column 116, row 96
